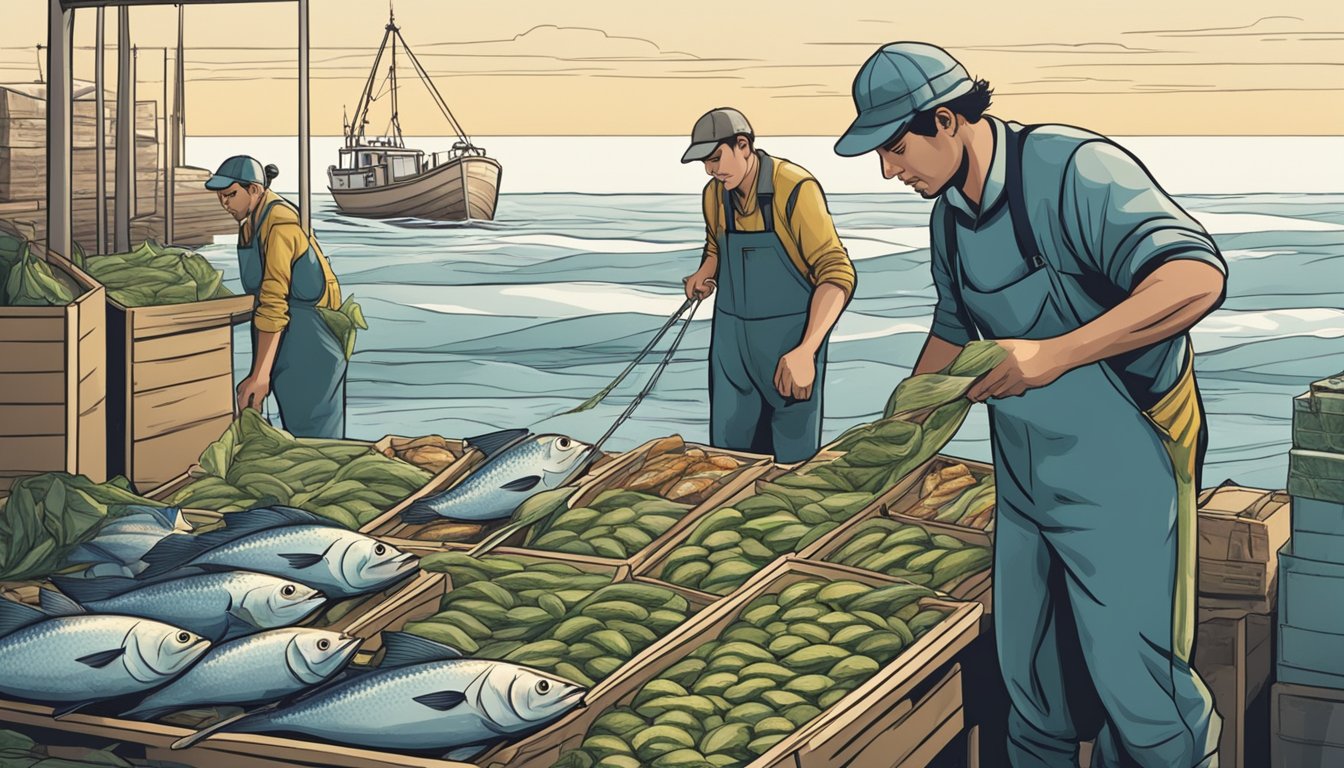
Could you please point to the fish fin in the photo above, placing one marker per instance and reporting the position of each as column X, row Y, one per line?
column 70, row 708
column 173, row 551
column 15, row 616
column 90, row 552
column 496, row 443
column 466, row 752
column 91, row 590
column 419, row 513
column 225, row 724
column 102, row 658
column 525, row 483
column 302, row 559
column 441, row 700
column 403, row 649
column 56, row 604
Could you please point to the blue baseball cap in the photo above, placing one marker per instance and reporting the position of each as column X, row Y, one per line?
column 893, row 85
column 239, row 169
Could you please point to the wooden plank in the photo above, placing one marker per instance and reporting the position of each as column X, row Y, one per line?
column 176, row 318
column 92, row 430
column 159, row 459
column 92, row 388
column 164, row 410
column 24, row 324
column 32, row 388
column 183, row 344
column 166, row 373
column 31, row 356
column 225, row 750
column 31, row 420
column 34, row 454
column 909, row 735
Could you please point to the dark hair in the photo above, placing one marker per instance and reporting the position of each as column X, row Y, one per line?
column 751, row 141
column 971, row 106
column 271, row 173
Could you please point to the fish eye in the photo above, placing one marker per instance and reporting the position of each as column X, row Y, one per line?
column 544, row 686
column 564, row 442
column 288, row 590
column 184, row 637
column 380, row 549
column 323, row 644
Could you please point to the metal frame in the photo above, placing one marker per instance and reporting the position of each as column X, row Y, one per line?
column 60, row 86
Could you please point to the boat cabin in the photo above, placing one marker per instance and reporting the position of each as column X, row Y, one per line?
column 380, row 162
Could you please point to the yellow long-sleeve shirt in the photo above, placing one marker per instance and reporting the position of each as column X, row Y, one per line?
column 809, row 236
column 284, row 241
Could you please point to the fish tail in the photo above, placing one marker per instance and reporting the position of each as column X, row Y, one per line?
column 419, row 513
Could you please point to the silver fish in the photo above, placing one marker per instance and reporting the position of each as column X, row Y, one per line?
column 292, row 544
column 521, row 465
column 78, row 659
column 123, row 541
column 217, row 606
column 253, row 670
column 424, row 698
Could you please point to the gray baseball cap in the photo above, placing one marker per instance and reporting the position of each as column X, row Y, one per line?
column 714, row 127
column 893, row 85
column 239, row 169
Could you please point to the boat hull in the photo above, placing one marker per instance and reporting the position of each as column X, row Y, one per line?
column 466, row 188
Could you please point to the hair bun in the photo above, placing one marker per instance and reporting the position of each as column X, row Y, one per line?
column 271, row 173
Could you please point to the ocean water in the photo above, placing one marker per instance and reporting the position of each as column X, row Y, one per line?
column 506, row 324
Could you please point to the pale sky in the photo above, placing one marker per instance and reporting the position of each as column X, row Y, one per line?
column 607, row 67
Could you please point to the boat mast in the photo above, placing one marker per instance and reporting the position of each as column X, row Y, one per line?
column 392, row 73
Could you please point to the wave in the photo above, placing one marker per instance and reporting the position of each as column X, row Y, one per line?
column 1240, row 223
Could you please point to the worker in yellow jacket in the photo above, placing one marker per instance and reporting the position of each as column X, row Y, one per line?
column 783, row 279
column 295, row 352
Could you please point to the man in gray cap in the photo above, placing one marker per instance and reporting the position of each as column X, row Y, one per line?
column 783, row 278
column 1058, row 245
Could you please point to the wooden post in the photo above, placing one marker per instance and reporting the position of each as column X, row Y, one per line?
column 123, row 208
column 100, row 143
column 180, row 93
column 305, row 187
column 167, row 159
column 60, row 84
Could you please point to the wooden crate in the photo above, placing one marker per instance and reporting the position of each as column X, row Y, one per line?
column 417, row 605
column 1240, row 532
column 650, row 567
column 897, row 718
column 53, row 372
column 171, row 387
column 972, row 586
column 753, row 467
column 899, row 508
column 1306, row 726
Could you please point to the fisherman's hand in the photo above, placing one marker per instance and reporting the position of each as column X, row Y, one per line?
column 252, row 392
column 701, row 284
column 796, row 373
column 1029, row 365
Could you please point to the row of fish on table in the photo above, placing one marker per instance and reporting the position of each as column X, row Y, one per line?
column 164, row 619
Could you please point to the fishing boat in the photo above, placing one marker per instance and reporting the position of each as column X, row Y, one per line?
column 380, row 177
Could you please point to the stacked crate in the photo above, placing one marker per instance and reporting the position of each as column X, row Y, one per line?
column 1310, row 664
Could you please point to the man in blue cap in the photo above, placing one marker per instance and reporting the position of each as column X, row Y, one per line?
column 1058, row 245
column 295, row 351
